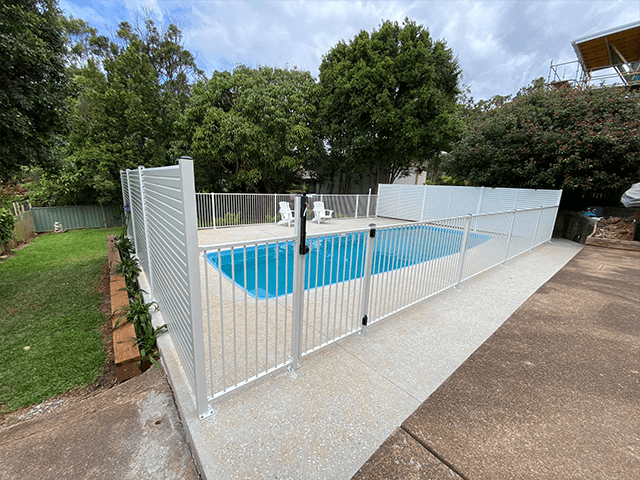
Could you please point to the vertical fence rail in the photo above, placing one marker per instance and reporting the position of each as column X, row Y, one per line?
column 299, row 257
column 131, row 228
column 126, row 202
column 366, row 282
column 217, row 210
column 463, row 249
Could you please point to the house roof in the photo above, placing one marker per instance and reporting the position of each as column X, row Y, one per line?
column 604, row 49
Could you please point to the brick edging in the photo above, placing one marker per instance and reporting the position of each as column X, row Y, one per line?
column 125, row 350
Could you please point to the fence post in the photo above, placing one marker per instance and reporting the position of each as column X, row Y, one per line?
column 145, row 222
column 463, row 250
column 366, row 278
column 133, row 221
column 479, row 209
column 368, row 202
column 535, row 234
column 357, row 198
column 275, row 208
column 553, row 222
column 424, row 200
column 213, row 209
column 195, row 294
column 300, row 249
column 124, row 196
column 513, row 222
column 377, row 202
column 450, row 201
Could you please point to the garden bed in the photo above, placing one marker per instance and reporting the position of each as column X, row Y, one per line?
column 126, row 352
column 614, row 232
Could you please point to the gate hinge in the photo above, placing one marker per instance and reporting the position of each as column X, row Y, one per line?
column 365, row 320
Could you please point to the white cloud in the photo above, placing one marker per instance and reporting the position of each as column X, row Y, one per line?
column 501, row 45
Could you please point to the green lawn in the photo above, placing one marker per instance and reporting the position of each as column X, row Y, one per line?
column 48, row 303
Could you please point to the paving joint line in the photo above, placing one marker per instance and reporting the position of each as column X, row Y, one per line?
column 377, row 372
column 432, row 452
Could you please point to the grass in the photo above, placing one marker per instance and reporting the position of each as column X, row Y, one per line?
column 49, row 303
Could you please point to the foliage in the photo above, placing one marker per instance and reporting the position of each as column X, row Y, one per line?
column 129, row 268
column 83, row 43
column 49, row 302
column 146, row 340
column 129, row 92
column 136, row 311
column 10, row 193
column 33, row 83
column 584, row 141
column 229, row 218
column 124, row 245
column 250, row 130
column 7, row 222
column 388, row 102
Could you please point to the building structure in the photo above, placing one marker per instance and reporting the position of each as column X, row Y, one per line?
column 610, row 57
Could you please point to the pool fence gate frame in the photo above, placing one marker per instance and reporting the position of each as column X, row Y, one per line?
column 239, row 311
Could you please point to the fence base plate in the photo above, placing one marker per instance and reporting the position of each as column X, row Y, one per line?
column 211, row 412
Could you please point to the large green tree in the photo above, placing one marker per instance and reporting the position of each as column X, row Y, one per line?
column 584, row 141
column 129, row 93
column 33, row 83
column 388, row 102
column 251, row 130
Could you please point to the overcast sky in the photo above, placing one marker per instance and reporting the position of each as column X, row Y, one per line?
column 501, row 45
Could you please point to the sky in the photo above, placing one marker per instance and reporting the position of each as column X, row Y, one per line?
column 501, row 45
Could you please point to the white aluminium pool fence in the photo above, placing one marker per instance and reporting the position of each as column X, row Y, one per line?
column 270, row 303
column 216, row 210
column 237, row 312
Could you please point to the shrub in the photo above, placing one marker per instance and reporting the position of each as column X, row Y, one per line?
column 7, row 223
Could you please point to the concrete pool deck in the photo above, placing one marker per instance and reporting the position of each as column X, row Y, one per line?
column 350, row 396
column 552, row 394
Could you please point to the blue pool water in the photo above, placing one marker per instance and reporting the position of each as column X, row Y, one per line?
column 334, row 258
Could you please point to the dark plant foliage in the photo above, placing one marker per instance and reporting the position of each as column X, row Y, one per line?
column 584, row 141
column 33, row 84
column 388, row 103
column 137, row 311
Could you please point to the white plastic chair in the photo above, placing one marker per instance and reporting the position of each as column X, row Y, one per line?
column 320, row 213
column 286, row 214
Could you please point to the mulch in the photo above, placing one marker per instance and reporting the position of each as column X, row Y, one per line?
column 615, row 228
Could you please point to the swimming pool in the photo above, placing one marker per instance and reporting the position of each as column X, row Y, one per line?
column 268, row 272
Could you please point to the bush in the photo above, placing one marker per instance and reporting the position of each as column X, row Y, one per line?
column 584, row 141
column 7, row 223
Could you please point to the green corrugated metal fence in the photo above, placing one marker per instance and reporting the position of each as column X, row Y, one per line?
column 77, row 216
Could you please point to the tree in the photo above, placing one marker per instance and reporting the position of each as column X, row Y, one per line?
column 388, row 102
column 584, row 141
column 252, row 129
column 129, row 92
column 83, row 44
column 33, row 84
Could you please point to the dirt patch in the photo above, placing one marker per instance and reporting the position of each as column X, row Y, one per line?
column 106, row 381
column 615, row 228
